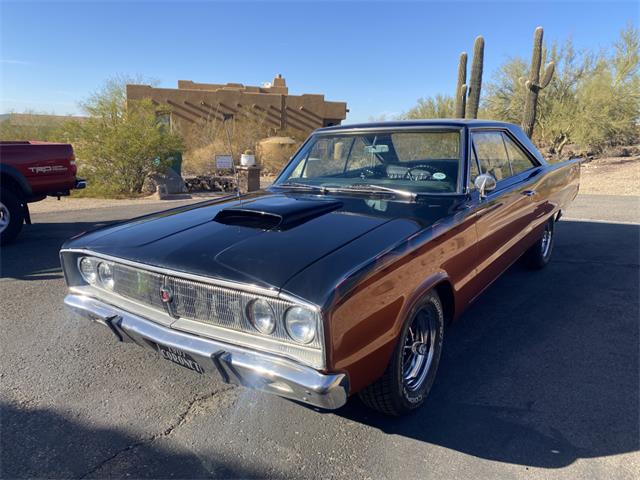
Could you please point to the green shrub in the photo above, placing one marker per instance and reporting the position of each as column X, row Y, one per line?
column 121, row 142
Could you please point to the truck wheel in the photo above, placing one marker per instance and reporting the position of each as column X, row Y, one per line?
column 11, row 216
column 410, row 374
column 540, row 253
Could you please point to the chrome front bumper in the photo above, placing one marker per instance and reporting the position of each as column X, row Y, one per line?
column 236, row 365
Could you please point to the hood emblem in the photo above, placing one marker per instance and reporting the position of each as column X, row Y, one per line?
column 165, row 295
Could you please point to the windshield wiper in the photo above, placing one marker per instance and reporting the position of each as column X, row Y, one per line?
column 301, row 186
column 372, row 188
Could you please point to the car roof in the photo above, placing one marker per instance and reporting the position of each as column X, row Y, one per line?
column 435, row 122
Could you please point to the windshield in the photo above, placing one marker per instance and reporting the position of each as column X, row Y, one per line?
column 417, row 162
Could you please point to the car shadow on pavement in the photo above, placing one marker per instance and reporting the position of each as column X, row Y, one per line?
column 34, row 254
column 543, row 368
column 29, row 451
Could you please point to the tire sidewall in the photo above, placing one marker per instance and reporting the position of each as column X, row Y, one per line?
column 547, row 257
column 12, row 202
column 408, row 400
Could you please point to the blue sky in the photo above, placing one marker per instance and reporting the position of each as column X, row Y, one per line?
column 379, row 57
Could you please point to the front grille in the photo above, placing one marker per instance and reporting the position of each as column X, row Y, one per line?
column 138, row 285
column 198, row 301
column 218, row 306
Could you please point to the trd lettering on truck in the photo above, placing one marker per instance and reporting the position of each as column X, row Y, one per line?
column 29, row 172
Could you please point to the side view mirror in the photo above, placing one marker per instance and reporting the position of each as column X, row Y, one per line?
column 485, row 183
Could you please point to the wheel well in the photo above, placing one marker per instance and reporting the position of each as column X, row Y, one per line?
column 12, row 184
column 445, row 292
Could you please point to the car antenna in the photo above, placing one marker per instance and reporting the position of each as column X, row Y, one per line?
column 225, row 117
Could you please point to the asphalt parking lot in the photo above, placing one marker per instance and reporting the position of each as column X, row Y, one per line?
column 539, row 379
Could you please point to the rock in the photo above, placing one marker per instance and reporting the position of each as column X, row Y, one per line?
column 210, row 183
column 169, row 180
column 161, row 192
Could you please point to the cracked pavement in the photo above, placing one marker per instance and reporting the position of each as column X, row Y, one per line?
column 539, row 379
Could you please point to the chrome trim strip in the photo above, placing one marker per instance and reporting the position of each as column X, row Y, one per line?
column 256, row 370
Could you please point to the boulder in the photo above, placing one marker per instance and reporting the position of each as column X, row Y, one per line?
column 169, row 180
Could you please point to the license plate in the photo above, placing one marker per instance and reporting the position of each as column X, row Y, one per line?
column 178, row 356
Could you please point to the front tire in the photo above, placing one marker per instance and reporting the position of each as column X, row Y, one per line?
column 539, row 255
column 11, row 216
column 409, row 376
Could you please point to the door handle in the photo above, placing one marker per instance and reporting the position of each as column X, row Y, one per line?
column 529, row 193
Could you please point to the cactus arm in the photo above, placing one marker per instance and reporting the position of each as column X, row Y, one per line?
column 475, row 85
column 461, row 101
column 462, row 81
column 548, row 75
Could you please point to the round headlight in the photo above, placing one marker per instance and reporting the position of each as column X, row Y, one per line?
column 301, row 324
column 88, row 270
column 261, row 316
column 105, row 275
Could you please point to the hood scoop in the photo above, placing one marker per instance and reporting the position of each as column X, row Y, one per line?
column 275, row 213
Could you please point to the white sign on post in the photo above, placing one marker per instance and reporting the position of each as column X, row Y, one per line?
column 224, row 162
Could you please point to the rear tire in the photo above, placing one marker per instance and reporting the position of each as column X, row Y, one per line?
column 409, row 376
column 539, row 255
column 11, row 216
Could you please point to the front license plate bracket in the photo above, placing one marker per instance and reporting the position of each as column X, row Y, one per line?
column 179, row 357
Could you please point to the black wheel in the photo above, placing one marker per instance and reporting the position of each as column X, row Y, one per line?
column 540, row 252
column 412, row 369
column 11, row 216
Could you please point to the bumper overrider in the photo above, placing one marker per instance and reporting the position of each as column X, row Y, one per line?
column 235, row 365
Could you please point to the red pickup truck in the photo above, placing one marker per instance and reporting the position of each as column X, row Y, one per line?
column 29, row 172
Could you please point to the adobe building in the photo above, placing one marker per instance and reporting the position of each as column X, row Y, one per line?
column 193, row 103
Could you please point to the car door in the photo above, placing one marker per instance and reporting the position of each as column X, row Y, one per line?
column 504, row 216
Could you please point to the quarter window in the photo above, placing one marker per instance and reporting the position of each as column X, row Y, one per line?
column 500, row 156
column 492, row 154
column 520, row 162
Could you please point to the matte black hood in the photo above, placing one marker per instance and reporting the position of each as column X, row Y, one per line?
column 264, row 238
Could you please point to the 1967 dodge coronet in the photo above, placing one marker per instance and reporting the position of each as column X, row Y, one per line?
column 340, row 277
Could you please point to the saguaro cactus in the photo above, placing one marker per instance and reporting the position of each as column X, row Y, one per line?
column 475, row 85
column 461, row 86
column 534, row 84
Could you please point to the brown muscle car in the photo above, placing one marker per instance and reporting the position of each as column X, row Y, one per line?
column 340, row 277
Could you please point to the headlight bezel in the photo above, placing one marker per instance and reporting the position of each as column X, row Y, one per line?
column 110, row 283
column 290, row 323
column 95, row 276
column 92, row 263
column 251, row 315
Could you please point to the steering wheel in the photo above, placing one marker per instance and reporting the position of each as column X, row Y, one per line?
column 422, row 168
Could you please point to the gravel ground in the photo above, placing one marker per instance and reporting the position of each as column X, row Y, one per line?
column 611, row 176
column 51, row 204
column 538, row 380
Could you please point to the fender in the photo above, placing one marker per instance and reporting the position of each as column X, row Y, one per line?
column 16, row 176
column 421, row 290
column 367, row 369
